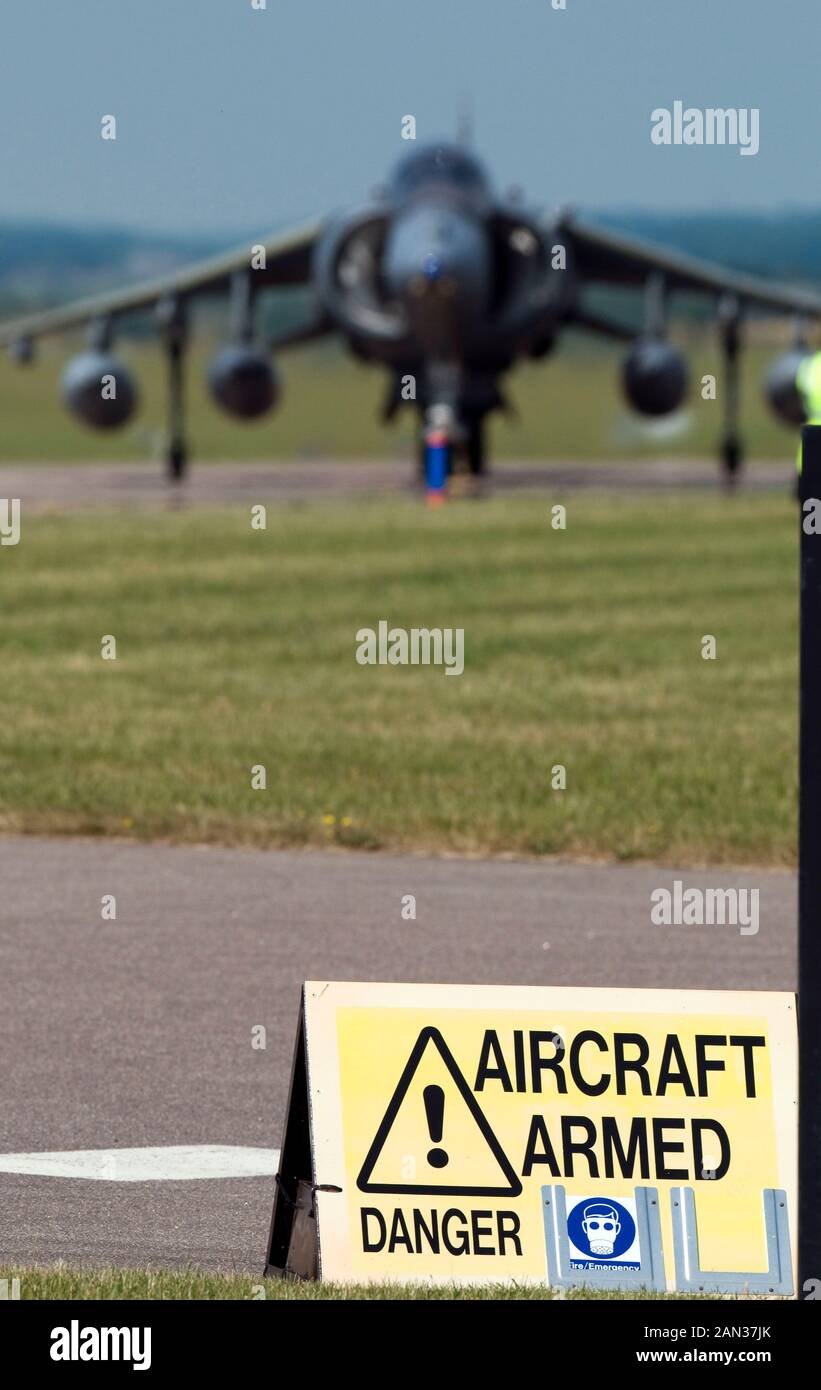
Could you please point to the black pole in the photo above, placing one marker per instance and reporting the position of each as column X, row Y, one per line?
column 809, row 868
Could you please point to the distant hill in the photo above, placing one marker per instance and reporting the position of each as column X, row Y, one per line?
column 43, row 263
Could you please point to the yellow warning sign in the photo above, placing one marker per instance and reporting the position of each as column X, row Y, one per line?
column 621, row 1138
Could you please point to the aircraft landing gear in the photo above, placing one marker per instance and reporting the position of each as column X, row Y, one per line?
column 475, row 448
column 732, row 452
column 171, row 318
column 476, row 456
column 442, row 447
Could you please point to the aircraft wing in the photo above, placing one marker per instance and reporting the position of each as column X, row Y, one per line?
column 287, row 262
column 613, row 258
column 655, row 372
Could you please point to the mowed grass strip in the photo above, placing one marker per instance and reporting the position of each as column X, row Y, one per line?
column 65, row 1282
column 236, row 647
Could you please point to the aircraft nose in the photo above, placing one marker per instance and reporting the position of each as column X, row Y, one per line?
column 434, row 256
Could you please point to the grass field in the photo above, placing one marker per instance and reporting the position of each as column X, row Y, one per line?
column 568, row 406
column 62, row 1282
column 236, row 648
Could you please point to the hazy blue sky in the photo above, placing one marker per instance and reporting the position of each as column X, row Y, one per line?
column 234, row 119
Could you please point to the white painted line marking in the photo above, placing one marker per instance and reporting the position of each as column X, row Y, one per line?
column 175, row 1163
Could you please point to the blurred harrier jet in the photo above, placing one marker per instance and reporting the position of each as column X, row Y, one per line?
column 445, row 286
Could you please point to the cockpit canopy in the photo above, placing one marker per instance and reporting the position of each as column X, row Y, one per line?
column 449, row 165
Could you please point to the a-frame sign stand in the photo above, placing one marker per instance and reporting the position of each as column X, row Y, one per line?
column 292, row 1239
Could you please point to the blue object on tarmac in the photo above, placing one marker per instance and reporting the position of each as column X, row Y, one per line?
column 437, row 451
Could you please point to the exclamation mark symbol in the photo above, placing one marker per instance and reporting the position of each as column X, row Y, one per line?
column 434, row 1098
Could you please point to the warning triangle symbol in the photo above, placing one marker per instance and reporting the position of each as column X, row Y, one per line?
column 434, row 1138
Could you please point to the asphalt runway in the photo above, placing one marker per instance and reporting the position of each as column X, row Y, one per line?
column 45, row 486
column 135, row 1034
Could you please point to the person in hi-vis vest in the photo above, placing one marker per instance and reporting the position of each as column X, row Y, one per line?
column 808, row 382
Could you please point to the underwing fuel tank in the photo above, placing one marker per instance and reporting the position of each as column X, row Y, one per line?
column 99, row 390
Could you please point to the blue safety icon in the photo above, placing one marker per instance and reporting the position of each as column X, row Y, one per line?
column 601, row 1230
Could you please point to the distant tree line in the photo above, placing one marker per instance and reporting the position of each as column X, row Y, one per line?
column 785, row 244
column 44, row 263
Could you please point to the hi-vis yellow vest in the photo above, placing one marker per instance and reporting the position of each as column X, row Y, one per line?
column 808, row 381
